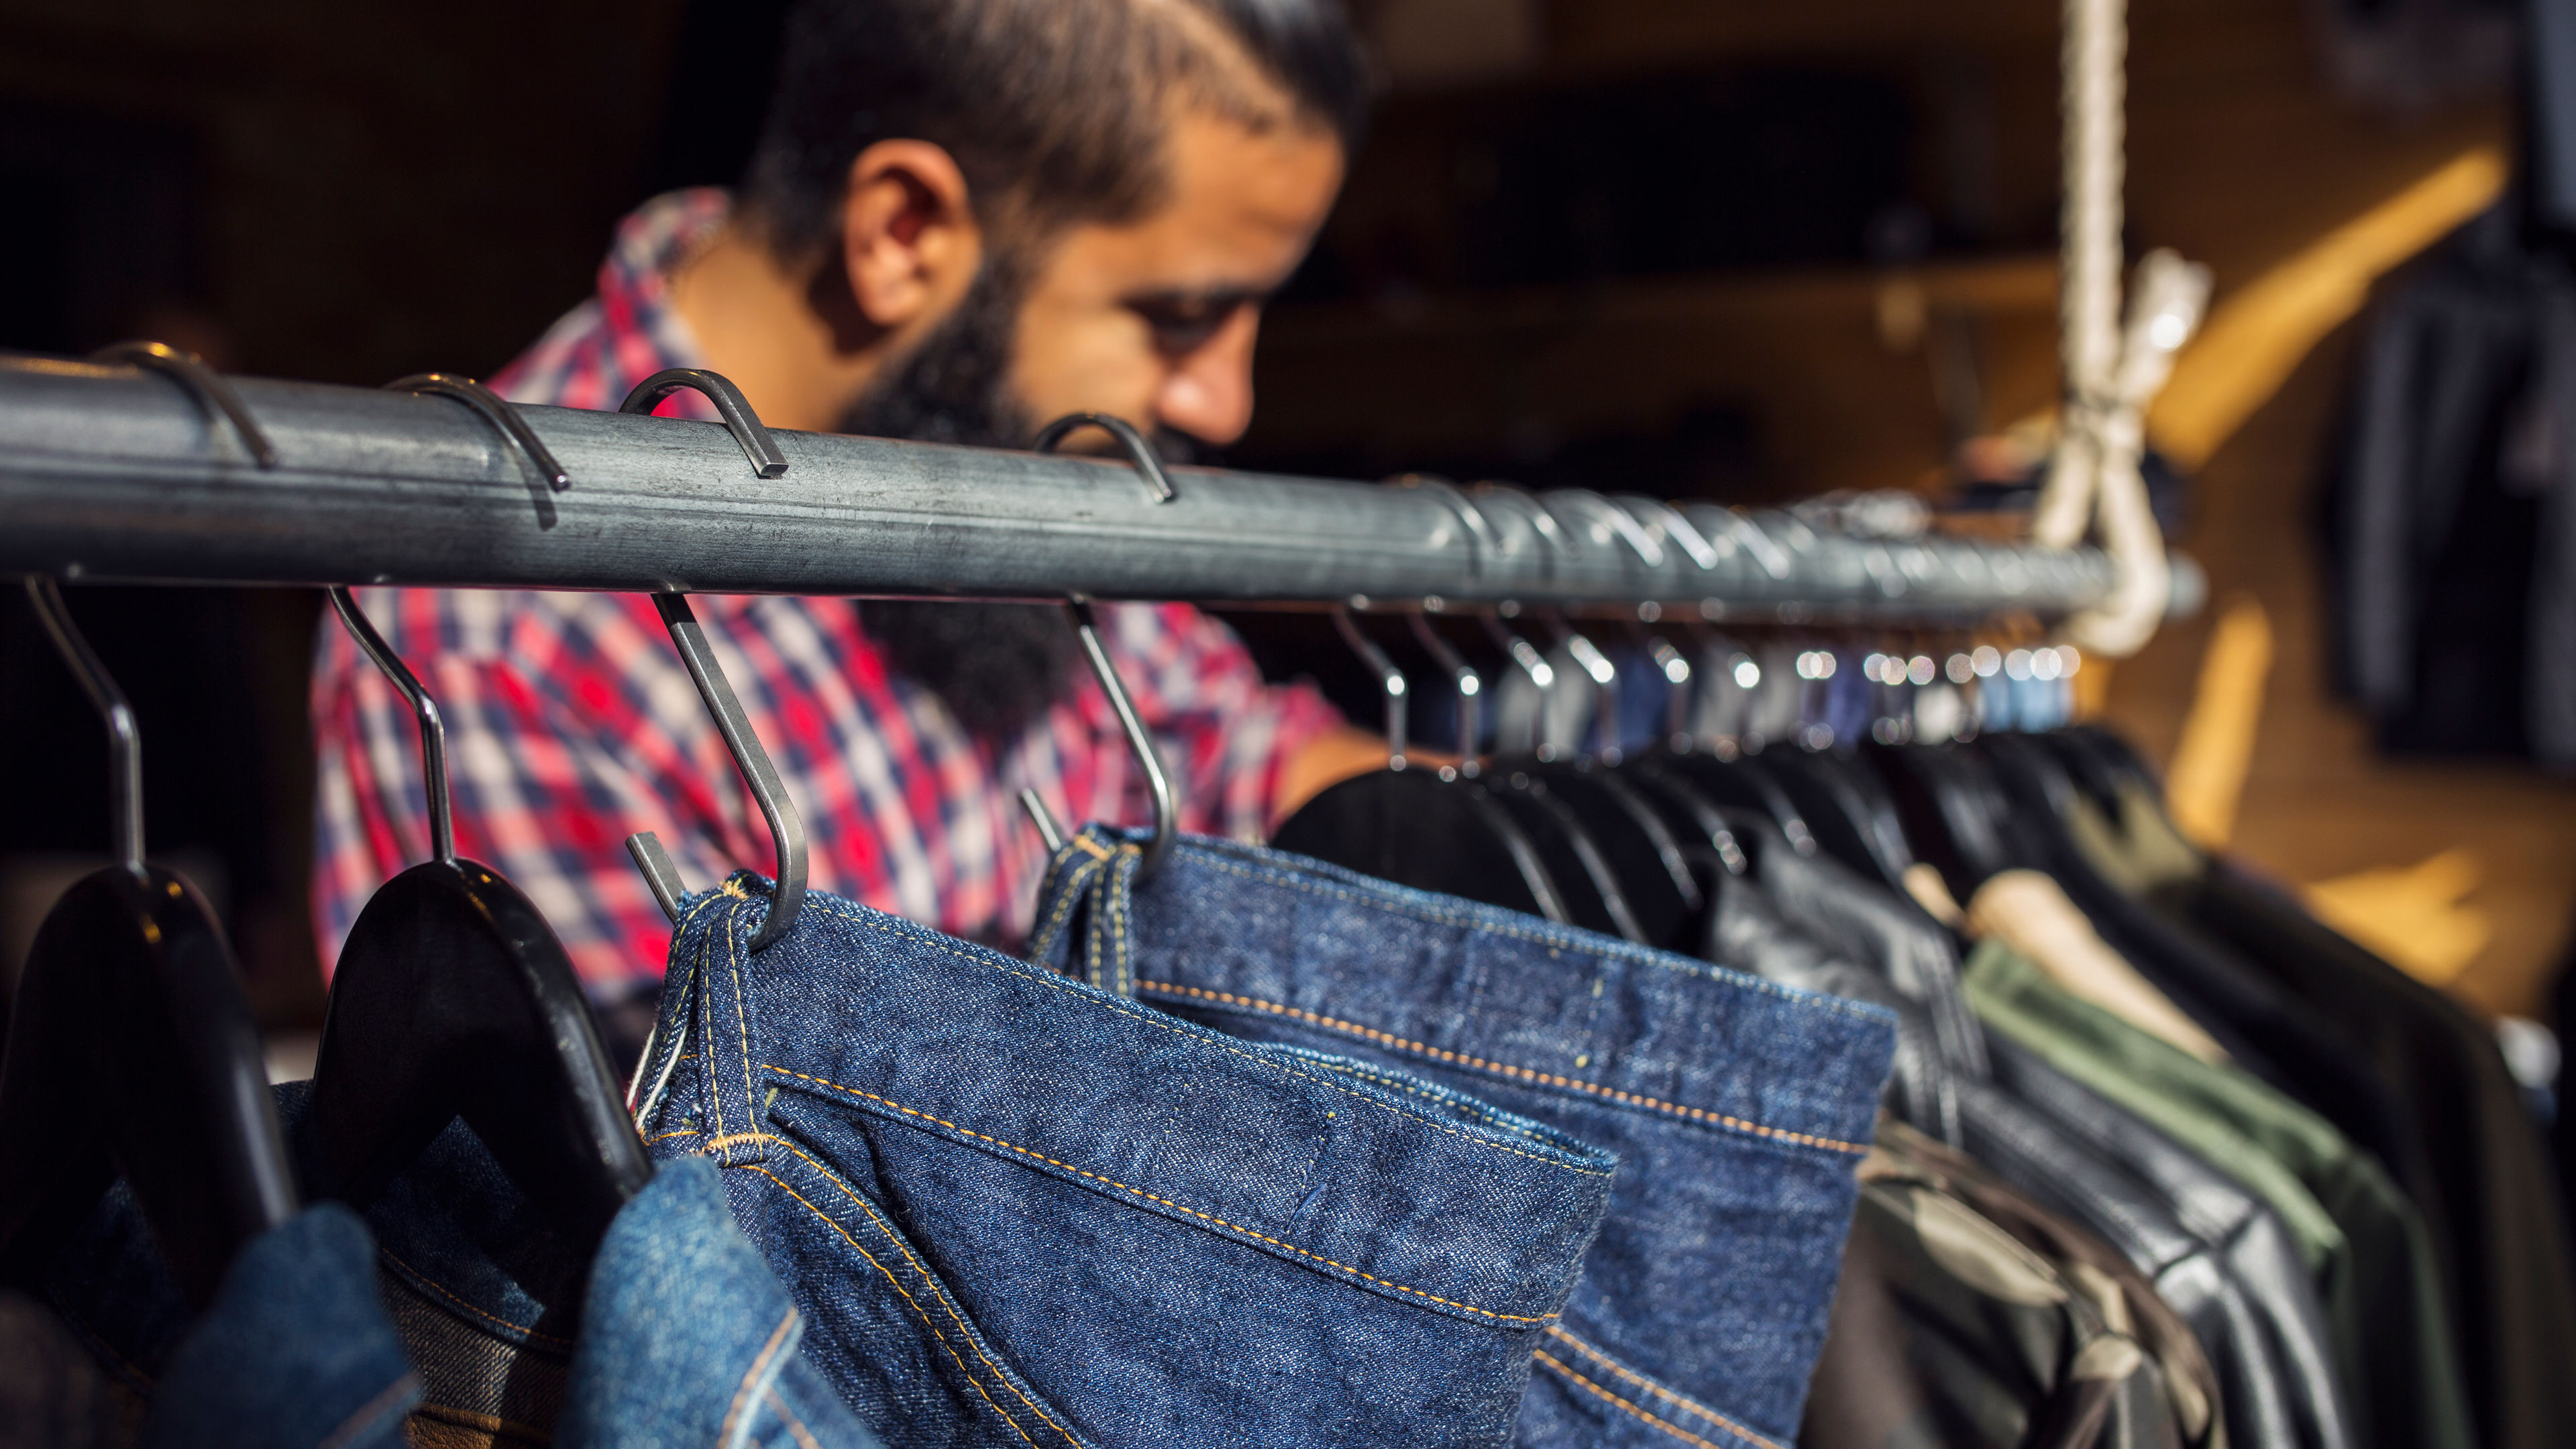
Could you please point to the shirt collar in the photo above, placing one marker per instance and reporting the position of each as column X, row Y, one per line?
column 635, row 281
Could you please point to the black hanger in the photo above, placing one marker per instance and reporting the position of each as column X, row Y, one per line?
column 453, row 999
column 1840, row 799
column 1645, row 856
column 1584, row 876
column 1749, row 784
column 1434, row 830
column 132, row 1051
column 1955, row 814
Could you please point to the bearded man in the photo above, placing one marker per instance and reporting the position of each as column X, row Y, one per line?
column 964, row 218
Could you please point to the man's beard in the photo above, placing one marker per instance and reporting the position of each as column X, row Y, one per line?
column 997, row 667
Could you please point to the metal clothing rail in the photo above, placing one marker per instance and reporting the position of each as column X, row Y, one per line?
column 110, row 473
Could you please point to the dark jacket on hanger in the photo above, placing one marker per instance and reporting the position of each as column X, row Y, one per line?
column 2451, row 505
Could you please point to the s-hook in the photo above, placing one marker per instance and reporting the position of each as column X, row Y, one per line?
column 1139, row 452
column 202, row 382
column 739, row 419
column 1086, row 628
column 768, row 791
column 496, row 411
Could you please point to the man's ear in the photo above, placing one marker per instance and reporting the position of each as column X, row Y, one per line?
column 909, row 242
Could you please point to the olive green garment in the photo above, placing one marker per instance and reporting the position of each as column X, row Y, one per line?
column 2373, row 1260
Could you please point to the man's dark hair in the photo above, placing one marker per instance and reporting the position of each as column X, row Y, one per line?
column 1055, row 110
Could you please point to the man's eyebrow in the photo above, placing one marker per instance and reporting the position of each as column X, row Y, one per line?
column 1196, row 299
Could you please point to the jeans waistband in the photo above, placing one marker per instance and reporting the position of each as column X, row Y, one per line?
column 1395, row 1186
column 1413, row 974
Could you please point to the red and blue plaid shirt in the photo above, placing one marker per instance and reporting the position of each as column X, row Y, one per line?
column 571, row 723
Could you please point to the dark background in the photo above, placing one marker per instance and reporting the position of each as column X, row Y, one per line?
column 1736, row 251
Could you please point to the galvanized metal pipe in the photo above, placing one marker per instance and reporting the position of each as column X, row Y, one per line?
column 107, row 473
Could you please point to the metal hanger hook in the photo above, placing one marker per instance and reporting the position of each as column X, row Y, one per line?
column 768, row 791
column 124, row 737
column 1139, row 743
column 1471, row 690
column 1390, row 679
column 739, row 419
column 496, row 411
column 433, row 729
column 202, row 382
column 1139, row 451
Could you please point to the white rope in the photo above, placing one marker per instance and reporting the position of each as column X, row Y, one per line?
column 2093, row 481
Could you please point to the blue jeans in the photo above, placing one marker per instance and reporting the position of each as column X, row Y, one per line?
column 1020, row 1211
column 1739, row 1109
column 466, row 1312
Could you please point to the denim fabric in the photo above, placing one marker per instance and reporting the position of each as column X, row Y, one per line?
column 1739, row 1109
column 294, row 1350
column 687, row 1339
column 675, row 1333
column 1016, row 1210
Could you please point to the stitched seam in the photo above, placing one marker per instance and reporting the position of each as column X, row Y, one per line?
column 1149, row 1017
column 1167, row 1202
column 1075, row 887
column 683, row 1132
column 1558, row 1332
column 368, row 1412
column 795, row 1426
column 753, row 1375
column 929, row 1280
column 1606, row 949
column 436, row 1287
column 1676, row 1430
column 971, row 1381
column 1532, row 1074
column 733, row 964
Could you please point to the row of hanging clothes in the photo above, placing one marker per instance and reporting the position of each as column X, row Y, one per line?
column 1827, row 1045
column 2165, row 1160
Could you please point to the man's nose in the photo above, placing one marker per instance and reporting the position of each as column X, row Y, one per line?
column 1208, row 392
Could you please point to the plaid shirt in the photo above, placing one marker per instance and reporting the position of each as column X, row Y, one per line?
column 571, row 723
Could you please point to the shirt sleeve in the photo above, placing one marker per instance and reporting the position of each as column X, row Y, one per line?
column 1224, row 733
column 541, row 792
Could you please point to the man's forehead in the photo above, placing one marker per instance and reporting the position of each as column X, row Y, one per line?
column 1239, row 211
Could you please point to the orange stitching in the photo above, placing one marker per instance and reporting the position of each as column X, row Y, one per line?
column 1353, row 1028
column 733, row 968
column 442, row 1292
column 1561, row 938
column 683, row 1132
column 796, row 1426
column 1147, row 1016
column 1676, row 1430
column 742, row 1390
column 971, row 1381
column 928, row 1278
column 1167, row 1202
column 1650, row 1386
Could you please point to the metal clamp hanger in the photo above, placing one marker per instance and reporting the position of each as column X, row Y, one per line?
column 1086, row 628
column 202, row 382
column 1139, row 452
column 768, row 791
column 1139, row 743
column 739, row 419
column 500, row 414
